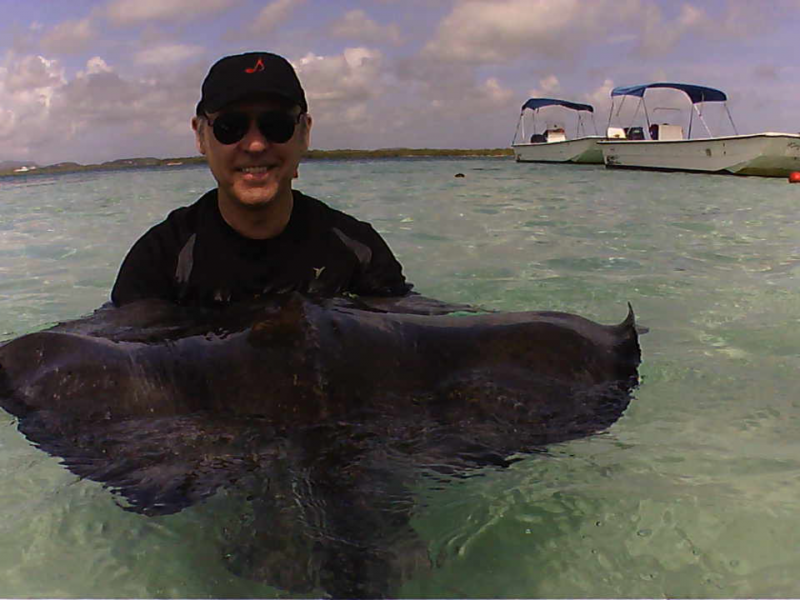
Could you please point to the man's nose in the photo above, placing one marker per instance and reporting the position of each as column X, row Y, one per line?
column 254, row 140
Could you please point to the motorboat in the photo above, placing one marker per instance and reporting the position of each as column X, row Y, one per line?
column 551, row 144
column 669, row 147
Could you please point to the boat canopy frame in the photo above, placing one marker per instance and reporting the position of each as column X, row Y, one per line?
column 698, row 95
column 534, row 104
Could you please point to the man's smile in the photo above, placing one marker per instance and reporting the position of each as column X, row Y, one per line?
column 256, row 173
column 256, row 170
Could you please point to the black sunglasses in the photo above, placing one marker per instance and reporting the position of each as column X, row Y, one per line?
column 276, row 126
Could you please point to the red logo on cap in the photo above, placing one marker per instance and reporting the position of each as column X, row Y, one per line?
column 259, row 66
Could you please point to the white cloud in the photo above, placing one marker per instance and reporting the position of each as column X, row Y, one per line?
column 356, row 25
column 28, row 86
column 8, row 122
column 462, row 90
column 691, row 16
column 166, row 54
column 659, row 36
column 33, row 74
column 741, row 19
column 499, row 31
column 344, row 94
column 94, row 66
column 600, row 97
column 548, row 86
column 494, row 93
column 273, row 15
column 352, row 77
column 69, row 37
column 737, row 20
column 109, row 114
column 124, row 13
column 493, row 32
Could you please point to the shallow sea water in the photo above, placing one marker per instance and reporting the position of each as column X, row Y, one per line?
column 694, row 492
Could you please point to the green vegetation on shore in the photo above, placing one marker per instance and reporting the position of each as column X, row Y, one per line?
column 139, row 163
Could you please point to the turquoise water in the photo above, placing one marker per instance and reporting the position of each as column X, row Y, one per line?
column 694, row 492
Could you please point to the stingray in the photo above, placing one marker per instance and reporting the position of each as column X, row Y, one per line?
column 320, row 412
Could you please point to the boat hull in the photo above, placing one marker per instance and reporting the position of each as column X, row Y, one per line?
column 582, row 150
column 762, row 154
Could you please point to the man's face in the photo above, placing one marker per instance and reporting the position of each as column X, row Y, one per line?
column 253, row 171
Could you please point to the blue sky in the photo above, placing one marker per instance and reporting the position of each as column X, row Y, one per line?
column 90, row 81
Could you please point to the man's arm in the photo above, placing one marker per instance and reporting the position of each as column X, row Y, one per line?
column 380, row 273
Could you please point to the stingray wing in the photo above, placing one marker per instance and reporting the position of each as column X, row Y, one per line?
column 160, row 465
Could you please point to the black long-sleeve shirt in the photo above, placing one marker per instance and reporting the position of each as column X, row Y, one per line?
column 195, row 258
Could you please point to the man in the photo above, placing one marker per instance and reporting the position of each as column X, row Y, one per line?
column 254, row 234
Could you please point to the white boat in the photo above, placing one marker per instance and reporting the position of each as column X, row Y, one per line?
column 553, row 145
column 666, row 148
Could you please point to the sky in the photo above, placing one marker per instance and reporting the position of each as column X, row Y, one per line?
column 91, row 81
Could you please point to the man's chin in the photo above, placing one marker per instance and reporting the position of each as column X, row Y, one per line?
column 256, row 198
column 259, row 203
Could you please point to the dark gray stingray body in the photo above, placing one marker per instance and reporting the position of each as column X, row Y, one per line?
column 167, row 405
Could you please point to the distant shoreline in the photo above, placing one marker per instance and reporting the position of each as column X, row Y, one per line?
column 139, row 163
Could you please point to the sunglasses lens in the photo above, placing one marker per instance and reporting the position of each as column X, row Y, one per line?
column 277, row 127
column 229, row 128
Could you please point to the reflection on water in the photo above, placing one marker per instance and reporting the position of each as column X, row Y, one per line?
column 692, row 493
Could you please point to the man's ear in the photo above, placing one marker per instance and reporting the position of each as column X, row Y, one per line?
column 199, row 135
column 307, row 132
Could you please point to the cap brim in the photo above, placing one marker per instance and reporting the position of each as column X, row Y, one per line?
column 232, row 95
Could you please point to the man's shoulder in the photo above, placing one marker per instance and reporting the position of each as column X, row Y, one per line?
column 326, row 215
column 191, row 212
column 184, row 220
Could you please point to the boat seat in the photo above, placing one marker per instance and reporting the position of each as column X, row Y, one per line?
column 634, row 133
column 615, row 133
column 670, row 132
column 556, row 135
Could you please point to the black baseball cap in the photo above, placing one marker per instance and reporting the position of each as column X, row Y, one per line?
column 236, row 77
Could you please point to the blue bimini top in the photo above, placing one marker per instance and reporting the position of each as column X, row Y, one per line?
column 696, row 93
column 535, row 103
